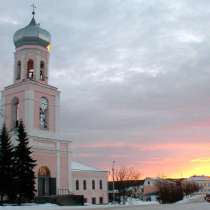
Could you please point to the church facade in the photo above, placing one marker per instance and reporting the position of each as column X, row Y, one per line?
column 31, row 99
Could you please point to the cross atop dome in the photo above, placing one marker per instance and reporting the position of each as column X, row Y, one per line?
column 33, row 7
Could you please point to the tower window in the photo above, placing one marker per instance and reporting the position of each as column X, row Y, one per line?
column 43, row 114
column 30, row 69
column 15, row 112
column 42, row 71
column 18, row 71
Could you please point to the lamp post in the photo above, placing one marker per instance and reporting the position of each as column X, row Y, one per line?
column 113, row 176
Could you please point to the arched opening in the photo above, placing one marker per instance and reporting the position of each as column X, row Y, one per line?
column 18, row 70
column 44, row 171
column 30, row 69
column 46, row 184
column 43, row 113
column 15, row 112
column 42, row 71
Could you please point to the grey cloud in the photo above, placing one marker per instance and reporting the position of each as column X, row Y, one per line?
column 127, row 70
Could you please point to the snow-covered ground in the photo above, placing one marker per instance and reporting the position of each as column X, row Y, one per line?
column 193, row 203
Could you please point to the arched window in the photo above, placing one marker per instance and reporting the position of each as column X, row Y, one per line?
column 77, row 184
column 93, row 185
column 101, row 184
column 43, row 113
column 84, row 185
column 15, row 112
column 42, row 71
column 30, row 69
column 18, row 70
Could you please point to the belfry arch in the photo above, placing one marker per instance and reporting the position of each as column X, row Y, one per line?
column 30, row 69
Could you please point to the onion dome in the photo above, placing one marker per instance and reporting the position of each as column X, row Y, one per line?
column 32, row 34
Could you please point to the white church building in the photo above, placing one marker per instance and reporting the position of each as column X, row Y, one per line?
column 30, row 98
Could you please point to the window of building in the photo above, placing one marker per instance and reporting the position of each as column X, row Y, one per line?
column 77, row 184
column 42, row 71
column 18, row 72
column 30, row 69
column 101, row 200
column 85, row 200
column 15, row 112
column 84, row 185
column 101, row 184
column 93, row 185
column 93, row 200
column 43, row 113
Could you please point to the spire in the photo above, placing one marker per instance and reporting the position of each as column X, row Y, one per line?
column 33, row 21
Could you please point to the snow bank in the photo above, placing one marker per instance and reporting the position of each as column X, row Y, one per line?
column 136, row 202
column 192, row 199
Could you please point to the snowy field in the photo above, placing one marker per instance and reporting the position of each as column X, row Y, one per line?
column 196, row 203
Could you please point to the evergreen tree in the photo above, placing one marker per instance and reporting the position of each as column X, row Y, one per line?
column 25, row 177
column 6, row 164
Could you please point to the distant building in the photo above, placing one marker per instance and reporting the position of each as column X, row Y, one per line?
column 90, row 182
column 202, row 181
column 151, row 189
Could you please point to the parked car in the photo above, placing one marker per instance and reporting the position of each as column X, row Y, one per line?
column 207, row 198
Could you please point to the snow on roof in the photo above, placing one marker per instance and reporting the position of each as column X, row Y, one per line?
column 76, row 166
column 199, row 178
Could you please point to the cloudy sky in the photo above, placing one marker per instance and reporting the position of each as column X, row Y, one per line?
column 134, row 76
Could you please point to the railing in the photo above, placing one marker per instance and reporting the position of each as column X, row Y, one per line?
column 63, row 191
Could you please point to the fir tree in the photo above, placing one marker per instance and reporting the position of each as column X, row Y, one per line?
column 25, row 177
column 6, row 164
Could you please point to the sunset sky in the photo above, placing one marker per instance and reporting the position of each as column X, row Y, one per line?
column 134, row 77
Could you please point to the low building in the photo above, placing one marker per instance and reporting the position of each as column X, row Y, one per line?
column 91, row 183
column 151, row 189
column 202, row 181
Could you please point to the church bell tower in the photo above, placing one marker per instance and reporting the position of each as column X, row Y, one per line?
column 31, row 99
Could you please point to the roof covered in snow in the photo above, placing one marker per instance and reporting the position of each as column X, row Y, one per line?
column 76, row 166
column 199, row 178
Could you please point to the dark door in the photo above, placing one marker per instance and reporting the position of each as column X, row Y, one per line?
column 52, row 186
column 41, row 186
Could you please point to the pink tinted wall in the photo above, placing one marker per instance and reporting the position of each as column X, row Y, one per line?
column 64, row 167
column 45, row 157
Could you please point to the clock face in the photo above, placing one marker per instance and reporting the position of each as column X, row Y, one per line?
column 43, row 104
